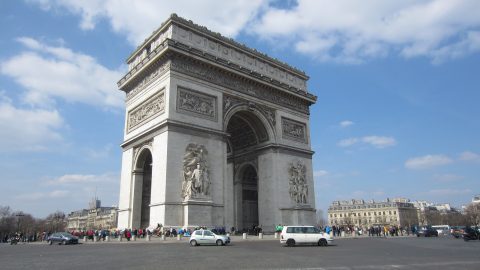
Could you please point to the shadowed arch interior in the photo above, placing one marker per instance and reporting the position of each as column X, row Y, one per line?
column 144, row 165
column 245, row 130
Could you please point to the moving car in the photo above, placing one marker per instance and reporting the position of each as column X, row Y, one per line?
column 62, row 238
column 457, row 231
column 471, row 233
column 427, row 231
column 304, row 235
column 207, row 237
column 442, row 229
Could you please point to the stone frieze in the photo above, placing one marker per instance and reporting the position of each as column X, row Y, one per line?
column 294, row 130
column 196, row 103
column 151, row 107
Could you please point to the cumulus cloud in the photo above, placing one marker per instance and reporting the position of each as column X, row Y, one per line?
column 449, row 192
column 343, row 31
column 345, row 123
column 469, row 156
column 55, row 72
column 35, row 196
column 320, row 173
column 447, row 177
column 28, row 129
column 347, row 142
column 138, row 19
column 77, row 179
column 376, row 141
column 427, row 161
column 379, row 141
column 352, row 31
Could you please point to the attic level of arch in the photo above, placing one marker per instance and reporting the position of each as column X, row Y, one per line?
column 177, row 57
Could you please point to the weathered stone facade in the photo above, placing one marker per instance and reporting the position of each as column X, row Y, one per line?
column 94, row 218
column 399, row 212
column 212, row 130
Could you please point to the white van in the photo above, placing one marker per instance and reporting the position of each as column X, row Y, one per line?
column 301, row 235
column 442, row 229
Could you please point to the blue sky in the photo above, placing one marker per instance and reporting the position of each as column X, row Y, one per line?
column 397, row 85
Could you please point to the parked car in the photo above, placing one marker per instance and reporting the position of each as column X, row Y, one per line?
column 62, row 238
column 207, row 237
column 302, row 235
column 427, row 232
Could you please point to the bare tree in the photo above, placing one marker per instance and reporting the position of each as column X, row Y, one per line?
column 56, row 222
column 472, row 214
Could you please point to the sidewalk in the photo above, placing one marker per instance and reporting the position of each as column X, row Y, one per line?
column 234, row 238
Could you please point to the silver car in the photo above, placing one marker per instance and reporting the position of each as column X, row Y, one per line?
column 206, row 237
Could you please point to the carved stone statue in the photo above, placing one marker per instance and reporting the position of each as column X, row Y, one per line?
column 196, row 180
column 298, row 189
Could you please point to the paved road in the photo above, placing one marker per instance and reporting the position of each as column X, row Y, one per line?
column 361, row 253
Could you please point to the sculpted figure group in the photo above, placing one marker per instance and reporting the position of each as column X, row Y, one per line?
column 298, row 184
column 196, row 180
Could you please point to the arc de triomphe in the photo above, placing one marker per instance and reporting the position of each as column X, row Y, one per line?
column 216, row 134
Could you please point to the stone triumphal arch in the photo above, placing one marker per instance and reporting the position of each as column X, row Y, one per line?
column 216, row 134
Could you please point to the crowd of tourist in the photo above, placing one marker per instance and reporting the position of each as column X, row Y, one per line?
column 378, row 230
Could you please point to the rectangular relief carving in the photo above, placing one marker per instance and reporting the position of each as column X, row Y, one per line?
column 146, row 110
column 196, row 104
column 294, row 130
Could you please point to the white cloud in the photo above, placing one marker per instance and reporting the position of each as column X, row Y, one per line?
column 447, row 177
column 28, row 129
column 352, row 31
column 100, row 153
column 346, row 123
column 320, row 173
column 379, row 141
column 79, row 179
column 449, row 192
column 427, row 161
column 346, row 31
column 347, row 142
column 35, row 196
column 376, row 141
column 469, row 156
column 138, row 19
column 48, row 73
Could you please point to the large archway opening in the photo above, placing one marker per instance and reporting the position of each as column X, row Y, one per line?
column 246, row 133
column 143, row 184
column 250, row 197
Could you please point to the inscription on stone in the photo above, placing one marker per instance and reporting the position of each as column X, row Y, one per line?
column 293, row 130
column 196, row 103
column 151, row 107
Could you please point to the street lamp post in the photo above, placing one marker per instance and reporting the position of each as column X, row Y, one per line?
column 19, row 215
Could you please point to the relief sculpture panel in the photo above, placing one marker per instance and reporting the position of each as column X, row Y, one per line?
column 152, row 106
column 196, row 175
column 294, row 130
column 298, row 188
column 197, row 104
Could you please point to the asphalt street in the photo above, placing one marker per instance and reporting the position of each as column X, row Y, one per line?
column 360, row 253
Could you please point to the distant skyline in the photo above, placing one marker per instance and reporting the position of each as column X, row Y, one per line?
column 397, row 82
